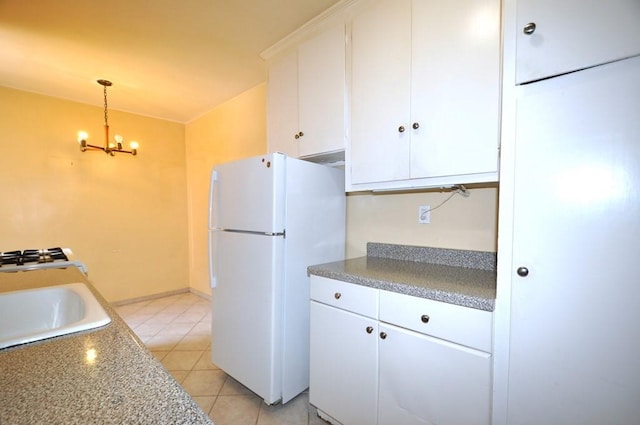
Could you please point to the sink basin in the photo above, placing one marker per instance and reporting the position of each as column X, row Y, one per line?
column 34, row 314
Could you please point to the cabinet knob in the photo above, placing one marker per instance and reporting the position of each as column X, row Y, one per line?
column 530, row 28
column 337, row 295
column 369, row 329
column 383, row 335
column 299, row 135
column 401, row 129
column 522, row 271
column 416, row 125
column 425, row 318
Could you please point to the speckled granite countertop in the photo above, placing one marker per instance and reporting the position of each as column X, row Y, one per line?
column 53, row 382
column 466, row 278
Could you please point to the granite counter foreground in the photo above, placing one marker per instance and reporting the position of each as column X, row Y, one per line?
column 465, row 278
column 103, row 376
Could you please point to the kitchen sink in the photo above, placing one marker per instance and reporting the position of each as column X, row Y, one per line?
column 34, row 314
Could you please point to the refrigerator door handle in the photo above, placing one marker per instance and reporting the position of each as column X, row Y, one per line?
column 250, row 232
column 213, row 281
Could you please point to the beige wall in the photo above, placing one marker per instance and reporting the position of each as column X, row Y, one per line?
column 233, row 130
column 461, row 223
column 118, row 214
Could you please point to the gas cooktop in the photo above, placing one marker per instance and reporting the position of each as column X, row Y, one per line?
column 30, row 259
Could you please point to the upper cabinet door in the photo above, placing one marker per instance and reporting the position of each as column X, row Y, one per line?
column 321, row 92
column 282, row 105
column 381, row 92
column 455, row 87
column 559, row 36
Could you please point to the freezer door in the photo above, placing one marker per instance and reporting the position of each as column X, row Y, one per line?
column 246, row 307
column 249, row 195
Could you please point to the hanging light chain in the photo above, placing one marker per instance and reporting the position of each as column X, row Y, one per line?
column 106, row 114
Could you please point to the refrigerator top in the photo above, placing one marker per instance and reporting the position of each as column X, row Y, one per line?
column 249, row 195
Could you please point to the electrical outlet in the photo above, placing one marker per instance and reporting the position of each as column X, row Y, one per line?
column 424, row 214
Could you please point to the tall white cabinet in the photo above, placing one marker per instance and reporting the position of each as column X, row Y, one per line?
column 424, row 93
column 575, row 338
column 567, row 348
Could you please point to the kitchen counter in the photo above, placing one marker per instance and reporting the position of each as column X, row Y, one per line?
column 466, row 278
column 55, row 381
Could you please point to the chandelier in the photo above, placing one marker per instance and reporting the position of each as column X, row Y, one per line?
column 110, row 148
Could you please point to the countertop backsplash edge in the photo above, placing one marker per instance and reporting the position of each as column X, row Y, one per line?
column 444, row 256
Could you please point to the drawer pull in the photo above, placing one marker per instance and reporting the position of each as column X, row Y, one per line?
column 337, row 295
column 383, row 335
column 369, row 329
column 425, row 318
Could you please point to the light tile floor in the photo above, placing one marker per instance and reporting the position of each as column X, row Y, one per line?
column 177, row 330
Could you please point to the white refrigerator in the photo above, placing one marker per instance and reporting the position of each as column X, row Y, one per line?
column 269, row 218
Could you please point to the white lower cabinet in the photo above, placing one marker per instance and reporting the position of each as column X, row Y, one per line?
column 425, row 380
column 365, row 371
column 344, row 363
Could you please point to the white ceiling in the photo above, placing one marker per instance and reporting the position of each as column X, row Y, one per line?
column 171, row 59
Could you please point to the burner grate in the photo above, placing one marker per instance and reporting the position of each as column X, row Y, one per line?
column 29, row 256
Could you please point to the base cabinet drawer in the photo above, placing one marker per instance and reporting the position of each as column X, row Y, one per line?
column 463, row 325
column 346, row 296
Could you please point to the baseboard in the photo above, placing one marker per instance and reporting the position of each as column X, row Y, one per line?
column 200, row 294
column 150, row 297
column 162, row 295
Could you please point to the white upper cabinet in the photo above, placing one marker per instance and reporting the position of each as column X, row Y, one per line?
column 380, row 93
column 424, row 94
column 282, row 105
column 321, row 92
column 559, row 36
column 306, row 96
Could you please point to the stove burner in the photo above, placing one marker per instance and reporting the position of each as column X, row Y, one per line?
column 29, row 256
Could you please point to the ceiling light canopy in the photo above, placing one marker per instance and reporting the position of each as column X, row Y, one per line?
column 110, row 148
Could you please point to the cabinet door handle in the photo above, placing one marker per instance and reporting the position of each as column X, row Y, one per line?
column 425, row 318
column 299, row 135
column 383, row 335
column 530, row 28
column 401, row 129
column 416, row 125
column 369, row 329
column 337, row 295
column 522, row 271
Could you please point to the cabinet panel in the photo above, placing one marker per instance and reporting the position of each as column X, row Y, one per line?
column 455, row 87
column 321, row 92
column 462, row 325
column 282, row 105
column 344, row 365
column 574, row 350
column 347, row 296
column 571, row 35
column 424, row 380
column 380, row 92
